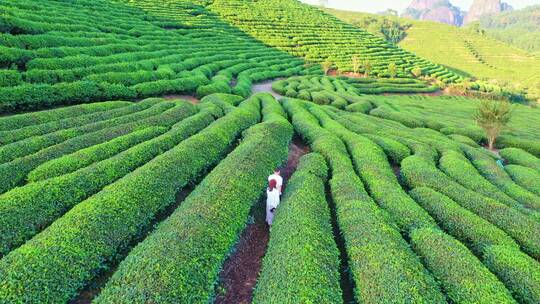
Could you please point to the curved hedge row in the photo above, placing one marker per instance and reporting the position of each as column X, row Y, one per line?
column 181, row 259
column 520, row 157
column 85, row 157
column 417, row 172
column 14, row 122
column 382, row 264
column 458, row 268
column 31, row 145
column 413, row 220
column 15, row 172
column 93, row 232
column 495, row 174
column 458, row 167
column 519, row 272
column 308, row 271
column 525, row 177
column 26, row 210
column 53, row 54
column 372, row 166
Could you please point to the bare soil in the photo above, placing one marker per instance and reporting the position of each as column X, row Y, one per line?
column 190, row 98
column 241, row 270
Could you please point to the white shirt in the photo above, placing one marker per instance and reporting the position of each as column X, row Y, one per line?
column 279, row 181
column 272, row 199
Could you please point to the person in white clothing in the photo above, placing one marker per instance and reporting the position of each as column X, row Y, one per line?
column 279, row 180
column 272, row 200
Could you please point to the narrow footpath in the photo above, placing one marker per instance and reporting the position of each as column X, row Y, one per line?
column 241, row 270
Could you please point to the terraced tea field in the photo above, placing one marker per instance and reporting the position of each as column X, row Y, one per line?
column 467, row 53
column 141, row 178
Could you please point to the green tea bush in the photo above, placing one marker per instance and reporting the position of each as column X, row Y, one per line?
column 302, row 229
column 13, row 122
column 496, row 249
column 28, row 209
column 418, row 172
column 381, row 262
column 189, row 241
column 525, row 177
column 496, row 175
column 463, row 276
column 519, row 272
column 85, row 157
column 520, row 157
column 102, row 119
column 94, row 231
column 14, row 173
column 458, row 167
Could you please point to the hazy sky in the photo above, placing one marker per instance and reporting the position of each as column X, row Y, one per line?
column 400, row 5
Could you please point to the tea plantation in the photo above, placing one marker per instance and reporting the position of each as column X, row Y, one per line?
column 136, row 139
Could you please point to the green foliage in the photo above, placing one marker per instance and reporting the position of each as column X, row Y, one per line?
column 195, row 240
column 14, row 122
column 520, row 157
column 519, row 272
column 458, row 167
column 114, row 217
column 53, row 145
column 475, row 232
column 417, row 172
column 392, row 70
column 302, row 228
column 85, row 157
column 378, row 255
column 492, row 116
column 461, row 274
column 28, row 209
column 527, row 178
column 497, row 175
column 519, row 28
column 127, row 50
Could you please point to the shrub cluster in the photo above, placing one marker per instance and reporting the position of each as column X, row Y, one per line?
column 518, row 271
column 381, row 262
column 28, row 209
column 93, row 232
column 523, row 228
column 308, row 271
column 183, row 256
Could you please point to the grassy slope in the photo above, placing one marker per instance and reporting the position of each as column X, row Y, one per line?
column 467, row 53
column 306, row 31
column 520, row 28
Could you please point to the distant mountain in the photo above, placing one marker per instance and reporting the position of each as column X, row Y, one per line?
column 434, row 10
column 482, row 8
column 520, row 28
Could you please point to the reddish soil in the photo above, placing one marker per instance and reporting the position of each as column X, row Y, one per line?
column 348, row 74
column 436, row 93
column 190, row 98
column 241, row 270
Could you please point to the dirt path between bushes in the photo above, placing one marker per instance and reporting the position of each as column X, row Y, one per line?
column 190, row 98
column 241, row 270
column 266, row 86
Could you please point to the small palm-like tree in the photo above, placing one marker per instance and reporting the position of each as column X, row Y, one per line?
column 493, row 116
column 392, row 70
column 356, row 64
column 367, row 68
column 326, row 66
